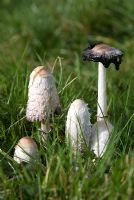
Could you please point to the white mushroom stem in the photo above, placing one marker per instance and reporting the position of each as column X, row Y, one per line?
column 102, row 128
column 45, row 129
column 45, row 126
column 102, row 97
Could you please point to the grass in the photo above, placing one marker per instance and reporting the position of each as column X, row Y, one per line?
column 54, row 34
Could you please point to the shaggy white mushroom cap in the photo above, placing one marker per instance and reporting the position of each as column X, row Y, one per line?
column 25, row 150
column 100, row 136
column 78, row 126
column 43, row 98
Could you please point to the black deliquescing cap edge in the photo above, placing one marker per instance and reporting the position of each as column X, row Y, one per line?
column 103, row 59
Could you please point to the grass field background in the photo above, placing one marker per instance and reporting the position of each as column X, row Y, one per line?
column 53, row 34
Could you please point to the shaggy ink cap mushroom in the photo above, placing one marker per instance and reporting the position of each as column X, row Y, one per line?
column 43, row 99
column 103, row 53
column 26, row 150
column 78, row 125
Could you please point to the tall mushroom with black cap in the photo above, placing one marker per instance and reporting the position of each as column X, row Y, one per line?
column 43, row 99
column 105, row 55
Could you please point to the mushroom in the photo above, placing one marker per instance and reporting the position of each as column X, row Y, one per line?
column 78, row 126
column 43, row 99
column 105, row 55
column 26, row 150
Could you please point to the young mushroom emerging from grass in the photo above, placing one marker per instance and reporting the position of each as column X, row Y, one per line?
column 43, row 99
column 78, row 126
column 105, row 55
column 26, row 150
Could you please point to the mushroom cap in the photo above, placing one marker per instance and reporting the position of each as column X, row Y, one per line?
column 25, row 150
column 101, row 131
column 78, row 126
column 43, row 98
column 103, row 53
